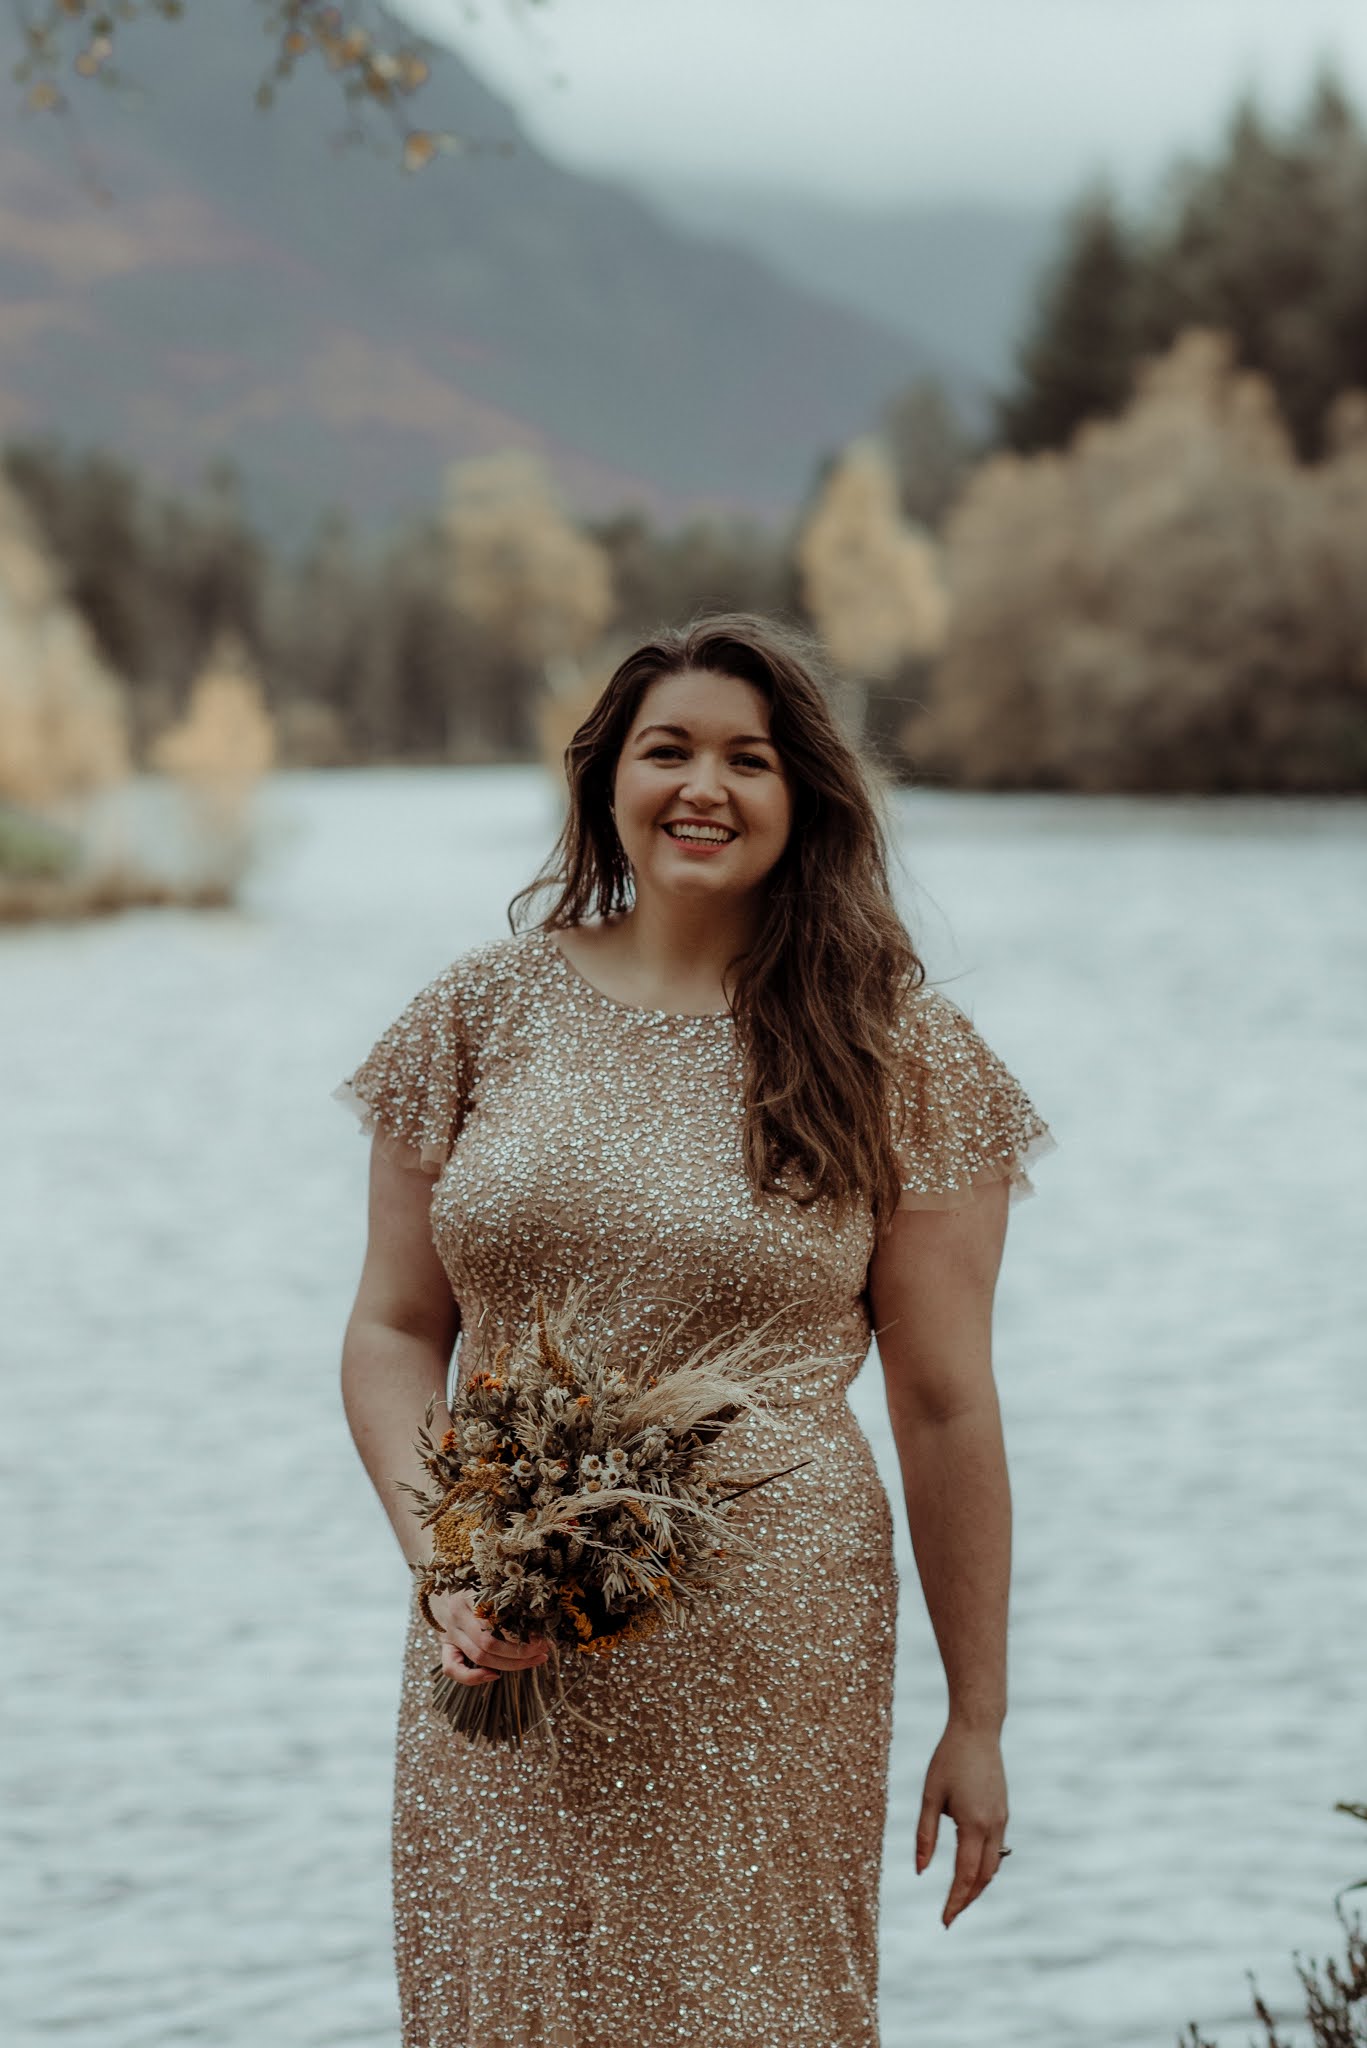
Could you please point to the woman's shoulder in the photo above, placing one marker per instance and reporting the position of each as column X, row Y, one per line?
column 964, row 1116
column 927, row 1021
column 484, row 982
column 937, row 1040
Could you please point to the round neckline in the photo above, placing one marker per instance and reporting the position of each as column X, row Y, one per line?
column 577, row 975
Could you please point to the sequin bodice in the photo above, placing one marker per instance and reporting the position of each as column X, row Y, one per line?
column 582, row 1140
column 633, row 1182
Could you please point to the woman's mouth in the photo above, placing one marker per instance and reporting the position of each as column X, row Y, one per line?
column 687, row 832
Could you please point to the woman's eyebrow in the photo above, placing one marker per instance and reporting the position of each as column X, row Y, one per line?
column 681, row 732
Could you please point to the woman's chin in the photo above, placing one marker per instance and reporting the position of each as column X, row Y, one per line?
column 699, row 878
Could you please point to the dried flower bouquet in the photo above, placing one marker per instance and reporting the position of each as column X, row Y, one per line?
column 580, row 1500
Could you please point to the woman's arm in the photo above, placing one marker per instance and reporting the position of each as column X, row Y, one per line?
column 399, row 1339
column 931, row 1288
column 395, row 1357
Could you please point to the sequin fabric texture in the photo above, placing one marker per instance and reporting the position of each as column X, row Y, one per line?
column 703, row 1864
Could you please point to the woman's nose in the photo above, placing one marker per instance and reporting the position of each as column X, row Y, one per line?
column 703, row 783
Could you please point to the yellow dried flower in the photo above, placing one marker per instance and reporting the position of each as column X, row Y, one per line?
column 451, row 1534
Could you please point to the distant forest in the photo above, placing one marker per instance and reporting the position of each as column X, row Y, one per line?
column 1152, row 567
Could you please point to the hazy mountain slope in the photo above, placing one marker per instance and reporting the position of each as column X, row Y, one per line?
column 956, row 279
column 343, row 330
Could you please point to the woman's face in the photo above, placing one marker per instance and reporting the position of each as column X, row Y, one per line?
column 702, row 799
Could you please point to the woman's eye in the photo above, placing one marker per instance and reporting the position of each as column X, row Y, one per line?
column 666, row 752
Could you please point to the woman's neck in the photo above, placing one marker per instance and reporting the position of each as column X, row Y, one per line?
column 676, row 956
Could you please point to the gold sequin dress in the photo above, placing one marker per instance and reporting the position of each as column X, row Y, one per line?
column 704, row 1866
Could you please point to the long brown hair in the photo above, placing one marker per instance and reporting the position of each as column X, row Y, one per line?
column 815, row 998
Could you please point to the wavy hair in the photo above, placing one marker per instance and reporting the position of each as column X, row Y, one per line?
column 816, row 997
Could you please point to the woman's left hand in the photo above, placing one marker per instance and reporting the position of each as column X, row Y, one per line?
column 966, row 1780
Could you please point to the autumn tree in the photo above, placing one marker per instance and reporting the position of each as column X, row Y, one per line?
column 156, row 579
column 217, row 753
column 63, row 724
column 1264, row 243
column 521, row 570
column 870, row 583
column 1175, row 603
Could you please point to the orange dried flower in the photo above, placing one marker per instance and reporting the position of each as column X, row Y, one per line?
column 571, row 1609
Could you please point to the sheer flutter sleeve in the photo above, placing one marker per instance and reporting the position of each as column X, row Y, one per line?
column 964, row 1120
column 413, row 1085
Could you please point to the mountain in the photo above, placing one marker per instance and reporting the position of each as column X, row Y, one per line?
column 342, row 330
column 958, row 279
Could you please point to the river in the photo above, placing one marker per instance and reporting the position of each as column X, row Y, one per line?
column 202, row 1607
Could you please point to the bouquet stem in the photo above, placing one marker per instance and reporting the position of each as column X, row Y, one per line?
column 513, row 1707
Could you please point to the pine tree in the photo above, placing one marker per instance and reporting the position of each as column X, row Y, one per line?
column 1270, row 244
column 1078, row 357
column 930, row 450
column 1266, row 243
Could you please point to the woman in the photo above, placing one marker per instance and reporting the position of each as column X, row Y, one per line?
column 711, row 1082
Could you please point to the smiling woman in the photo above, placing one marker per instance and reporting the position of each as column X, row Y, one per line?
column 702, row 808
column 711, row 1088
column 789, row 924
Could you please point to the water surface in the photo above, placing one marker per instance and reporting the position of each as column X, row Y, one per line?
column 203, row 1607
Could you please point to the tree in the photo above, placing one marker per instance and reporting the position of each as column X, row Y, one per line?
column 707, row 565
column 930, row 450
column 1269, row 243
column 522, row 571
column 1079, row 356
column 217, row 753
column 1175, row 603
column 1266, row 243
column 155, row 580
column 520, row 567
column 63, row 727
column 91, row 516
column 378, row 64
column 870, row 583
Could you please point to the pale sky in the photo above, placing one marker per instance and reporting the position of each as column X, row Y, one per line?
column 893, row 100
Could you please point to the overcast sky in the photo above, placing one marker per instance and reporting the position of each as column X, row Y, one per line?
column 893, row 100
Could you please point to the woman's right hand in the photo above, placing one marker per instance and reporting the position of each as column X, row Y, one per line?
column 471, row 1652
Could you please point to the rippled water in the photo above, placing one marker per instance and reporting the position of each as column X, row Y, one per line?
column 203, row 1609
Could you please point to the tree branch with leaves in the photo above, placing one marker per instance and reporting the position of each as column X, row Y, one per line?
column 378, row 63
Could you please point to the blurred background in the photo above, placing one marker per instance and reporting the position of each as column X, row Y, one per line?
column 370, row 380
